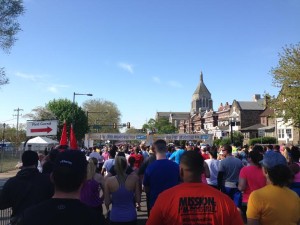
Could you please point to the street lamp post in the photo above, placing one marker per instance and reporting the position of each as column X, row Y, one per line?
column 233, row 118
column 73, row 111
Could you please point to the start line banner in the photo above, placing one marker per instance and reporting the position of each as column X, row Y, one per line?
column 127, row 137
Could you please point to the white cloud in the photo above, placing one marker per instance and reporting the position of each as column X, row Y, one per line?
column 127, row 67
column 28, row 76
column 156, row 80
column 175, row 84
column 56, row 87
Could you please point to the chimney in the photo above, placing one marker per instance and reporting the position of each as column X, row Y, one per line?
column 256, row 97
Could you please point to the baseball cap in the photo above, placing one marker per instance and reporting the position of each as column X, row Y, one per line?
column 75, row 161
column 272, row 159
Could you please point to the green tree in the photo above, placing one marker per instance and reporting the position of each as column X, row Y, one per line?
column 64, row 109
column 10, row 10
column 286, row 76
column 103, row 113
column 238, row 138
column 161, row 126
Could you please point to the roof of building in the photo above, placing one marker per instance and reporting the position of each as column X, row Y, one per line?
column 267, row 112
column 253, row 127
column 201, row 88
column 175, row 115
column 251, row 105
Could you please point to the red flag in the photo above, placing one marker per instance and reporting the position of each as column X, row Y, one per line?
column 64, row 138
column 73, row 141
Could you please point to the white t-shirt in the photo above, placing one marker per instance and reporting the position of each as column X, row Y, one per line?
column 213, row 165
column 97, row 156
column 108, row 164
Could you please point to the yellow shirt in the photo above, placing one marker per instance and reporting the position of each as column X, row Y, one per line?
column 273, row 205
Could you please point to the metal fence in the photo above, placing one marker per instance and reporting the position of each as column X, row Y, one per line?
column 9, row 159
column 4, row 216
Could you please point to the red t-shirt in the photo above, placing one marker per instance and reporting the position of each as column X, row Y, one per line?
column 138, row 160
column 205, row 156
column 194, row 203
column 255, row 180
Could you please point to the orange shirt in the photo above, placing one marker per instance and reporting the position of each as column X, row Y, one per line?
column 194, row 203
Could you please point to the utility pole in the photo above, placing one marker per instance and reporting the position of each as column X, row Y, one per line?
column 18, row 115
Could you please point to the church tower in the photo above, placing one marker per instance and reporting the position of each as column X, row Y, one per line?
column 201, row 99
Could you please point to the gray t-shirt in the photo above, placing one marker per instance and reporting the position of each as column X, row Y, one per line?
column 231, row 167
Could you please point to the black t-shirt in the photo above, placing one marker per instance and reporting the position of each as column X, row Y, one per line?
column 62, row 212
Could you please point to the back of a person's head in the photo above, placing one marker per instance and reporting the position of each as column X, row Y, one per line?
column 70, row 171
column 213, row 152
column 160, row 146
column 270, row 146
column 112, row 153
column 193, row 161
column 256, row 157
column 277, row 148
column 53, row 154
column 280, row 175
column 120, row 166
column 30, row 158
column 136, row 150
column 258, row 148
column 295, row 154
column 91, row 168
column 121, row 154
column 228, row 148
column 131, row 161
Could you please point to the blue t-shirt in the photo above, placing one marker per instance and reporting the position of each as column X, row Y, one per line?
column 159, row 176
column 177, row 155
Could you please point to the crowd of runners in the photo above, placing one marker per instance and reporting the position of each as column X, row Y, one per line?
column 188, row 185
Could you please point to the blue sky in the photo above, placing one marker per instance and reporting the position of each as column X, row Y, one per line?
column 145, row 56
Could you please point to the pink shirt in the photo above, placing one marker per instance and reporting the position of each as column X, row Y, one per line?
column 105, row 155
column 255, row 179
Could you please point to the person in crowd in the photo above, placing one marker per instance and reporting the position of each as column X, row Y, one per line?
column 141, row 173
column 287, row 154
column 112, row 171
column 97, row 155
column 105, row 153
column 122, row 191
column 160, row 174
column 64, row 207
column 269, row 148
column 137, row 156
column 91, row 189
column 275, row 203
column 204, row 152
column 213, row 166
column 228, row 176
column 176, row 155
column 251, row 177
column 49, row 160
column 185, row 204
column 277, row 148
column 295, row 167
column 144, row 152
column 29, row 187
column 110, row 162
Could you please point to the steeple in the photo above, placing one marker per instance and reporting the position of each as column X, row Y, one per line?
column 201, row 77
